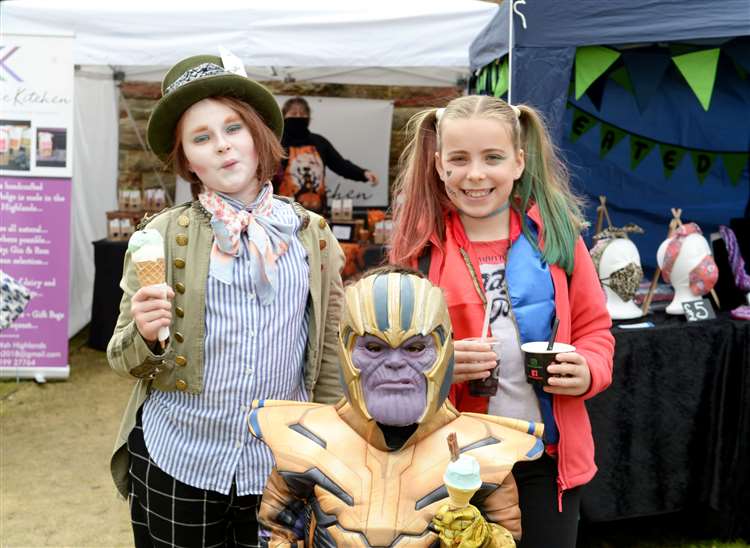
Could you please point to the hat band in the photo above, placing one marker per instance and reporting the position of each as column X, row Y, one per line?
column 196, row 73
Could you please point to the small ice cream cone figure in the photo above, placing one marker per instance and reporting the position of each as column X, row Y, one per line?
column 461, row 476
column 147, row 251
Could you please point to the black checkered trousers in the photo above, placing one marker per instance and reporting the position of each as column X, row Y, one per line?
column 166, row 512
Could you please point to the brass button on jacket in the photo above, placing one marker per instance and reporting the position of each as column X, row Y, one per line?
column 180, row 385
column 179, row 311
column 179, row 287
column 183, row 220
column 180, row 360
column 182, row 239
column 178, row 337
column 179, row 263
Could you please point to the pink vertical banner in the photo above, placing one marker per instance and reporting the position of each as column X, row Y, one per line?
column 35, row 252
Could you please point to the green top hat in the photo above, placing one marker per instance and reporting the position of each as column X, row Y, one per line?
column 197, row 78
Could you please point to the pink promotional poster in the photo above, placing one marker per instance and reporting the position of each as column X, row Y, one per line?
column 34, row 255
column 36, row 169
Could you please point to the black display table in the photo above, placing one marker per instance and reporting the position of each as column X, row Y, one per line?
column 105, row 307
column 673, row 430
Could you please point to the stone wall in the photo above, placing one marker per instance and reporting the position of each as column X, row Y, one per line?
column 142, row 169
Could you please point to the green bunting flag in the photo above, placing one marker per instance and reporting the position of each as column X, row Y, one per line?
column 671, row 157
column 482, row 79
column 702, row 161
column 492, row 79
column 622, row 77
column 610, row 136
column 582, row 122
column 591, row 63
column 500, row 86
column 734, row 163
column 699, row 70
column 639, row 149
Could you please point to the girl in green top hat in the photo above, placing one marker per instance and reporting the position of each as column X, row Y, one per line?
column 252, row 304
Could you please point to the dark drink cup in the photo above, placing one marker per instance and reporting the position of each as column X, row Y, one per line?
column 487, row 387
column 536, row 358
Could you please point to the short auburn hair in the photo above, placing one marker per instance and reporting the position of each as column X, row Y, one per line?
column 267, row 145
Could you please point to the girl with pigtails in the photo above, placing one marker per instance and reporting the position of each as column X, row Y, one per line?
column 484, row 209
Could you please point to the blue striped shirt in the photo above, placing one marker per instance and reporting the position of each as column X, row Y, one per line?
column 251, row 351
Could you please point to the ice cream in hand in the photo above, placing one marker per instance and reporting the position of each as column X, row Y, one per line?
column 147, row 253
column 461, row 476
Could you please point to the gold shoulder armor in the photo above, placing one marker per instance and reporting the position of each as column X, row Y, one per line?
column 267, row 416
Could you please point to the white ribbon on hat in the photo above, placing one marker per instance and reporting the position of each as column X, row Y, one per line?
column 231, row 62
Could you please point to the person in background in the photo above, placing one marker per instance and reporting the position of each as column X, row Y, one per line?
column 253, row 306
column 302, row 172
column 483, row 207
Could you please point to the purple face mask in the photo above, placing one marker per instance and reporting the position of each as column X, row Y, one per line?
column 393, row 381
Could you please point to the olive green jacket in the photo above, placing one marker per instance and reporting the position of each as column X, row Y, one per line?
column 188, row 240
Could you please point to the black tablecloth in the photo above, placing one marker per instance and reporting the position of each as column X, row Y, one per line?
column 673, row 430
column 105, row 307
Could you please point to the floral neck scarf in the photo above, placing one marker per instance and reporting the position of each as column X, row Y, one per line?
column 268, row 239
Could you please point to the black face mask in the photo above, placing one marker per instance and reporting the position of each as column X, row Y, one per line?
column 296, row 126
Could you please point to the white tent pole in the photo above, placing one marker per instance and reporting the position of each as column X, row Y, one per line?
column 510, row 50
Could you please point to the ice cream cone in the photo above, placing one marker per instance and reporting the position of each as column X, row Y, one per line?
column 462, row 479
column 151, row 272
column 459, row 498
column 147, row 249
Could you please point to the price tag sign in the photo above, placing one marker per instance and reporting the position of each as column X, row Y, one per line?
column 696, row 311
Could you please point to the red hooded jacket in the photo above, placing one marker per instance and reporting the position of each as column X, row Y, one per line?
column 584, row 322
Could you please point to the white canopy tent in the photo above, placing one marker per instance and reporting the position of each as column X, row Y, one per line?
column 412, row 43
column 418, row 42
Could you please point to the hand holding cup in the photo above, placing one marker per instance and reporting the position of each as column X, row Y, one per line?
column 474, row 359
column 560, row 370
column 569, row 375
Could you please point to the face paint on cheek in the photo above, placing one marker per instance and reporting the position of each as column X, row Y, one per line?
column 448, row 190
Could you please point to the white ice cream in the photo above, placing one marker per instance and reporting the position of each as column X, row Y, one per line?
column 146, row 245
column 463, row 473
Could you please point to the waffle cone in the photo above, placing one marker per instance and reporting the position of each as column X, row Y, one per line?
column 151, row 272
column 459, row 498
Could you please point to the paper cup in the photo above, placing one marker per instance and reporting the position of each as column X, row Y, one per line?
column 536, row 358
column 487, row 387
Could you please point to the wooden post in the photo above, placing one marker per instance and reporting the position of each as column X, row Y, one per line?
column 601, row 213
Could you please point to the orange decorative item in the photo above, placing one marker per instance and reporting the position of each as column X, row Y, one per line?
column 355, row 259
column 373, row 216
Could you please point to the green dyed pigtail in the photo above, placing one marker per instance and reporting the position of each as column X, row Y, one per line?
column 545, row 182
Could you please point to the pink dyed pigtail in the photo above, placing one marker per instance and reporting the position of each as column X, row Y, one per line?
column 419, row 196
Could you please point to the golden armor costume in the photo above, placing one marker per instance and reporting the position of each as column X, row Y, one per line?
column 347, row 476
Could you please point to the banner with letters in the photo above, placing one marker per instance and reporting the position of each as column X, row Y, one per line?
column 36, row 125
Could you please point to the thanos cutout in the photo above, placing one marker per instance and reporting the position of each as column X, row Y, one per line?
column 368, row 471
